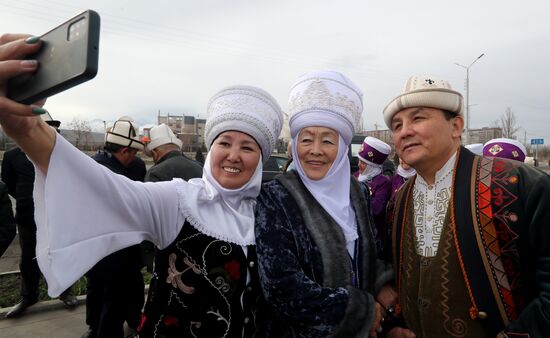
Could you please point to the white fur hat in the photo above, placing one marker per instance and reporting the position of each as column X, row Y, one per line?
column 125, row 132
column 161, row 135
column 247, row 109
column 425, row 91
column 325, row 99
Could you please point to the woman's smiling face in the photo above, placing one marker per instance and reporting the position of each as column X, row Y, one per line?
column 317, row 149
column 234, row 158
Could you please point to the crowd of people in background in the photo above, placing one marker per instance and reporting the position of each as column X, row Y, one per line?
column 454, row 243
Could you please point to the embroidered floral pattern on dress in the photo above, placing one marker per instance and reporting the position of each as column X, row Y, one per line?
column 233, row 270
column 174, row 276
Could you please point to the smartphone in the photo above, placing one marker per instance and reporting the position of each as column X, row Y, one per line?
column 68, row 57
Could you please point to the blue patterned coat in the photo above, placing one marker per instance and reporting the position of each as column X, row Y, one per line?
column 313, row 286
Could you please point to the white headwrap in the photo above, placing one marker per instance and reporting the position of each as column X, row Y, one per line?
column 371, row 170
column 228, row 214
column 405, row 173
column 328, row 99
column 333, row 191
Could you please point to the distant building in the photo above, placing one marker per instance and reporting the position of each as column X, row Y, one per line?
column 190, row 130
column 483, row 135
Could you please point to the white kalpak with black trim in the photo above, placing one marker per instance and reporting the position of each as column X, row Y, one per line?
column 124, row 132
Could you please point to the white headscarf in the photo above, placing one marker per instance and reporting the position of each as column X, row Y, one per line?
column 333, row 191
column 405, row 173
column 328, row 99
column 228, row 214
column 225, row 214
column 371, row 170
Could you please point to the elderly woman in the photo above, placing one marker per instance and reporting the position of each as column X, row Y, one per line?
column 205, row 282
column 314, row 233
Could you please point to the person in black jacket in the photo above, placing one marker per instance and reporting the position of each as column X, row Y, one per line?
column 7, row 222
column 115, row 289
column 165, row 148
column 18, row 174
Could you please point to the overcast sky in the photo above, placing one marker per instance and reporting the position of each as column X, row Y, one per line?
column 172, row 56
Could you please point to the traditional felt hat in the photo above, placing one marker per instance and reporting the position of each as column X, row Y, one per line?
column 325, row 99
column 247, row 109
column 374, row 151
column 425, row 91
column 161, row 135
column 505, row 148
column 125, row 132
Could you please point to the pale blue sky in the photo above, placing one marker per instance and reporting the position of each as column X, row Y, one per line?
column 173, row 55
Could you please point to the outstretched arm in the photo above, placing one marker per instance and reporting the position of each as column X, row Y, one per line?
column 22, row 122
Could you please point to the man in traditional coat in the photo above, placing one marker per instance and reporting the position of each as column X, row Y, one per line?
column 471, row 234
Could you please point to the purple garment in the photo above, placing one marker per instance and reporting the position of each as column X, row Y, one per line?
column 380, row 191
column 396, row 182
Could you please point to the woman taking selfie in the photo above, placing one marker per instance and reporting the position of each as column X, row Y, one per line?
column 205, row 282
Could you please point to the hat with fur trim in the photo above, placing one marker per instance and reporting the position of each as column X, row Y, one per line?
column 125, row 132
column 374, row 150
column 247, row 109
column 505, row 148
column 161, row 135
column 425, row 91
column 325, row 99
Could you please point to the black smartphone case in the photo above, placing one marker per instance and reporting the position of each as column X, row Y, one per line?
column 68, row 57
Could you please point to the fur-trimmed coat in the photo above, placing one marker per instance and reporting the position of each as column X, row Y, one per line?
column 306, row 273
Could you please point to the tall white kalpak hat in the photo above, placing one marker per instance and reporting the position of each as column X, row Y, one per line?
column 425, row 91
column 374, row 151
column 247, row 109
column 325, row 99
column 125, row 132
column 161, row 135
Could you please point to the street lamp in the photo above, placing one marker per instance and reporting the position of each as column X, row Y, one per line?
column 467, row 117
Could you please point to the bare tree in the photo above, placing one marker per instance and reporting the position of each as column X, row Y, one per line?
column 508, row 123
column 82, row 132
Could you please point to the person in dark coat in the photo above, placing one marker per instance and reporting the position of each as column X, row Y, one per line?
column 115, row 290
column 165, row 148
column 317, row 253
column 7, row 222
column 18, row 174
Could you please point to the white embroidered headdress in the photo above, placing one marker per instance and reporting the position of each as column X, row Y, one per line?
column 325, row 92
column 247, row 109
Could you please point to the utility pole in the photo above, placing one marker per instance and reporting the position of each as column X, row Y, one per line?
column 467, row 117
